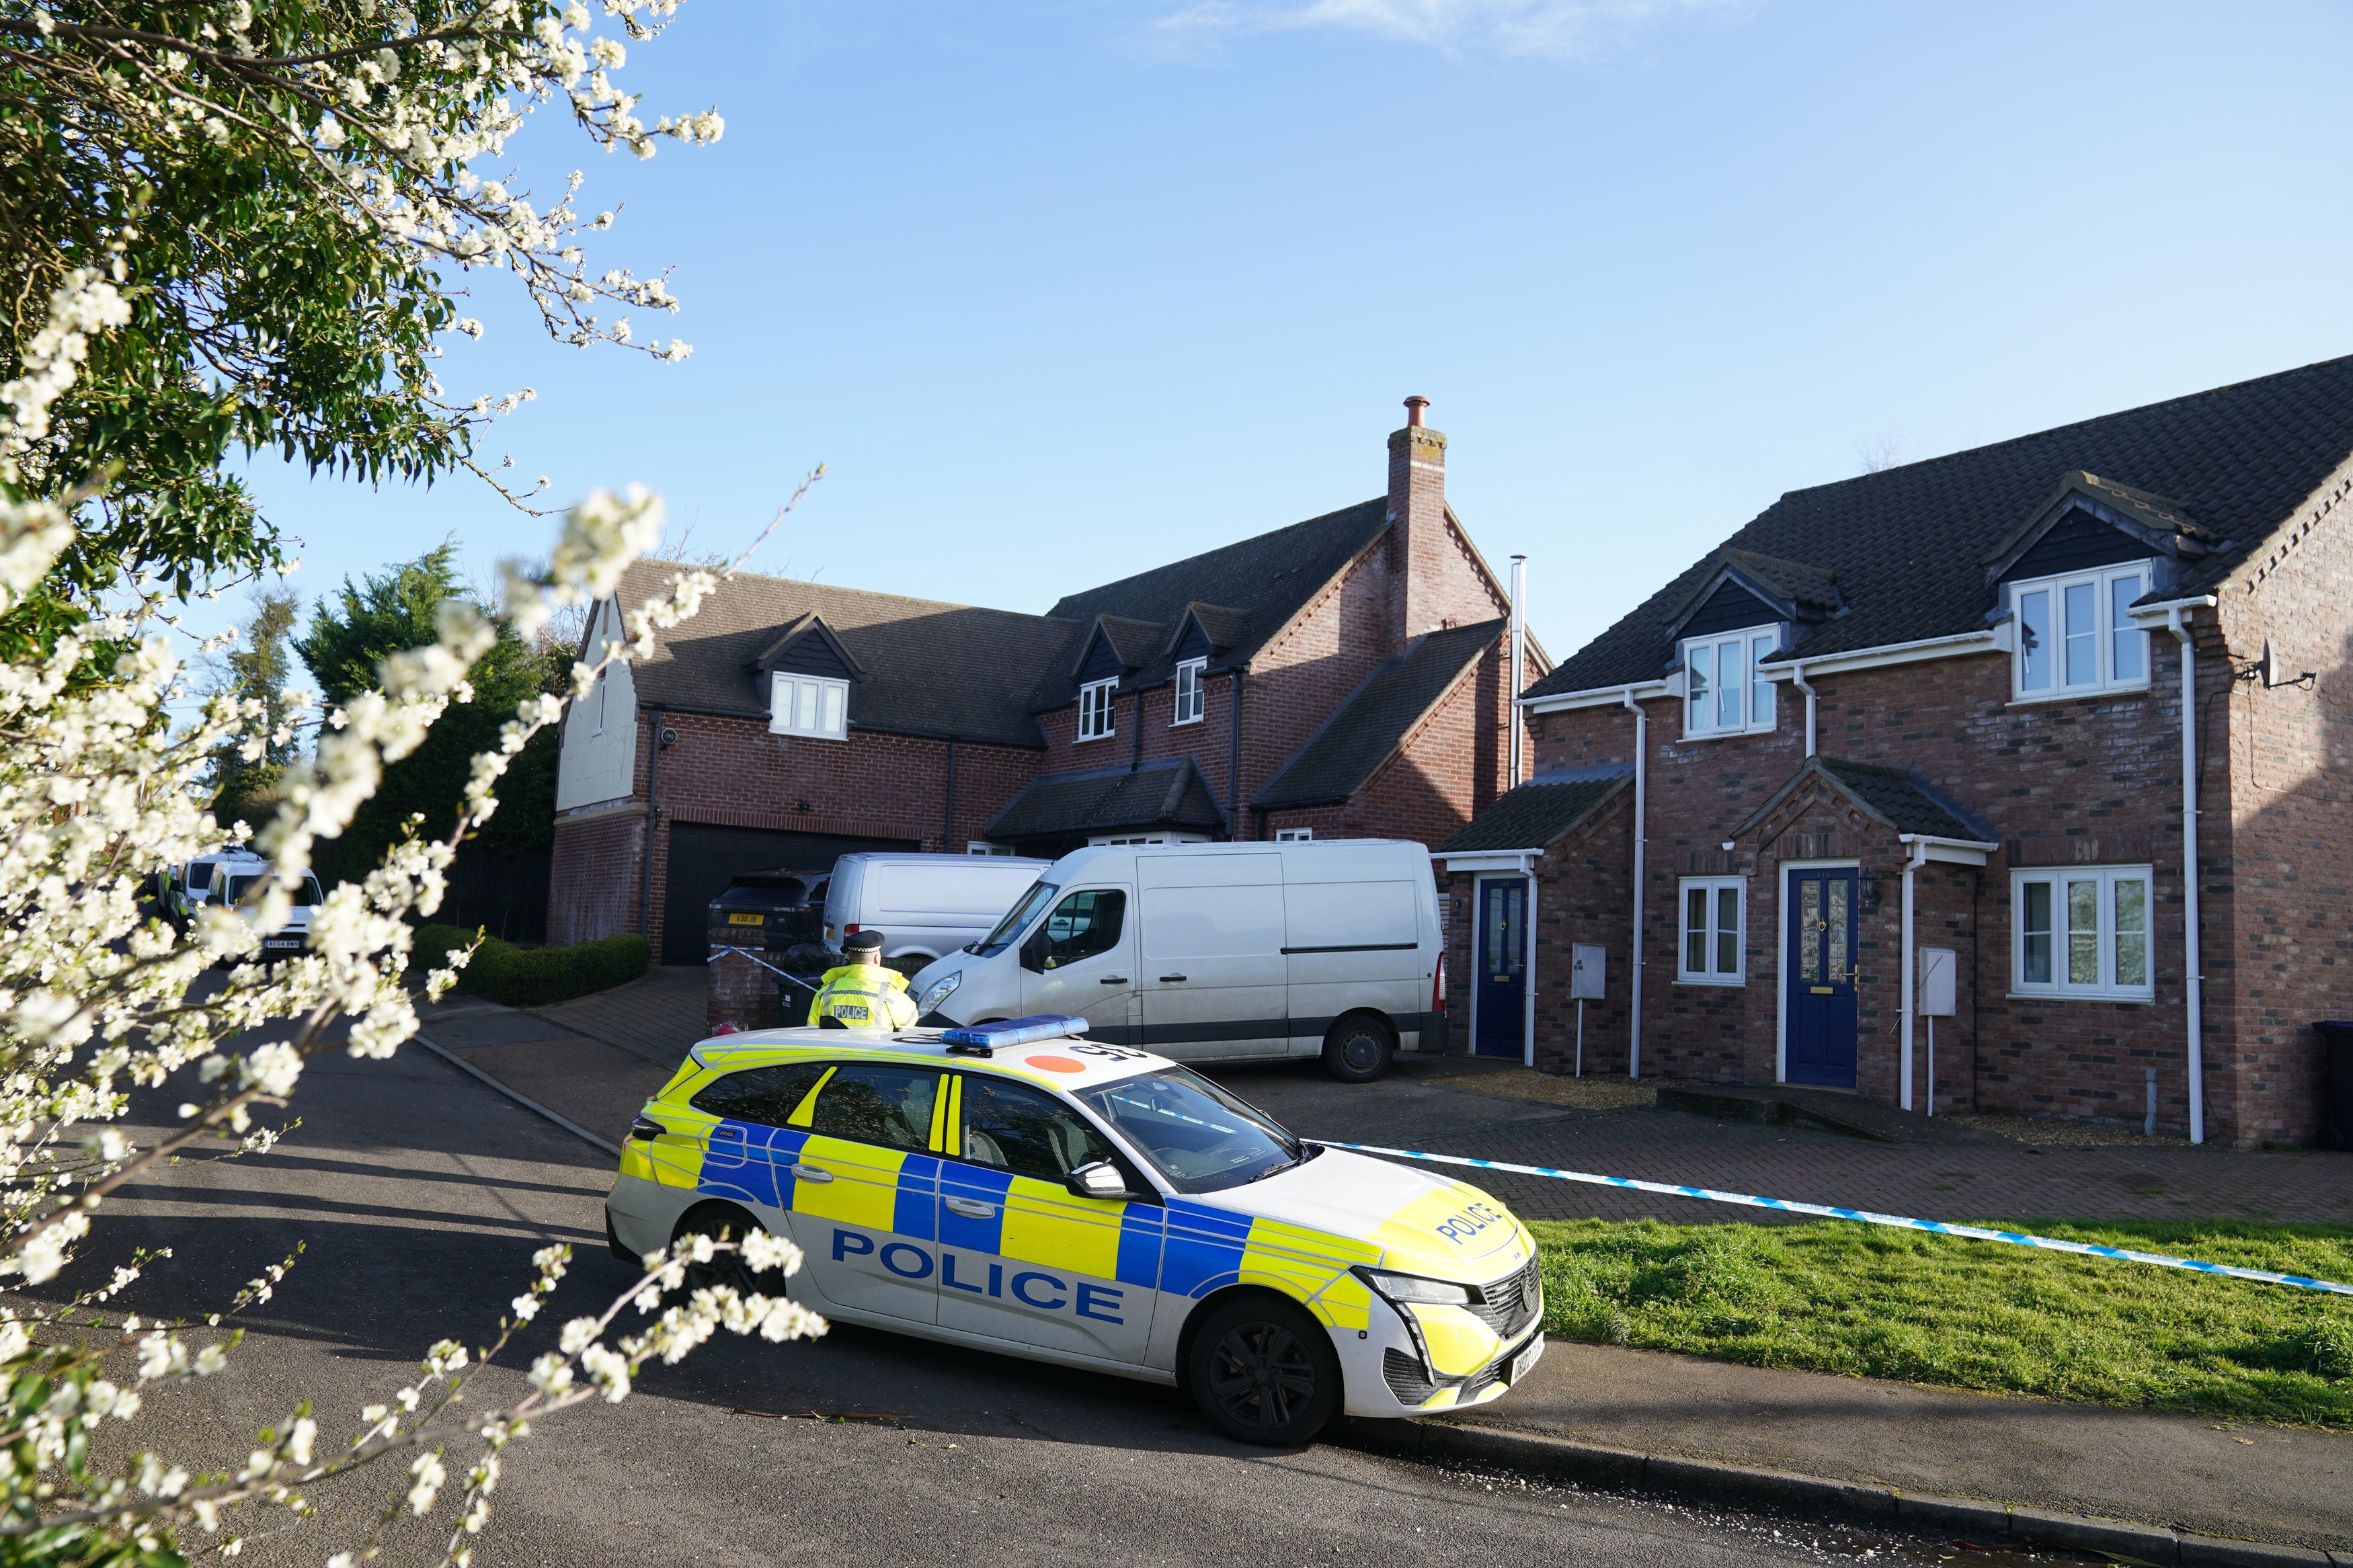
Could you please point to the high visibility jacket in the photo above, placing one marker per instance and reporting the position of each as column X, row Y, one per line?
column 864, row 996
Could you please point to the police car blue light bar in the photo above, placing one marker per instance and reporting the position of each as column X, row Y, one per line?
column 981, row 1039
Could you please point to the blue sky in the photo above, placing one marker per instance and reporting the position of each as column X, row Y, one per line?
column 1061, row 290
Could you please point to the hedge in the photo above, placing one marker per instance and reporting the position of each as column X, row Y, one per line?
column 533, row 976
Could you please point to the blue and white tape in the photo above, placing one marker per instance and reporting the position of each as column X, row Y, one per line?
column 1786, row 1206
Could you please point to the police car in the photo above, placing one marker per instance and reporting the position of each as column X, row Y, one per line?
column 1020, row 1189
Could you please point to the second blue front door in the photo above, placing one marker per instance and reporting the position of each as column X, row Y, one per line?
column 1821, row 932
column 1501, row 960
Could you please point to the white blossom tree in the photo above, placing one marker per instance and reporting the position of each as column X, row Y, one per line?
column 139, row 351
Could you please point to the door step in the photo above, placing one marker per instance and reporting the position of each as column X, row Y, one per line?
column 1829, row 1111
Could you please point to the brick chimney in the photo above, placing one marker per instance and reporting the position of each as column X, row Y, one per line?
column 1418, row 542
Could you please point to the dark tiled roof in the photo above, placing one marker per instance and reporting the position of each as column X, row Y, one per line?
column 1539, row 811
column 1169, row 794
column 1893, row 796
column 1259, row 584
column 930, row 669
column 1341, row 758
column 1907, row 544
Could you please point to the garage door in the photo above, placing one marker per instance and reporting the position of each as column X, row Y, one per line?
column 703, row 859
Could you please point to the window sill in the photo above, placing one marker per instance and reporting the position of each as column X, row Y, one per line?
column 1732, row 981
column 1724, row 735
column 2140, row 998
column 1187, row 723
column 2081, row 694
column 1082, row 740
column 805, row 734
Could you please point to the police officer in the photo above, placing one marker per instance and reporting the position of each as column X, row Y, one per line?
column 859, row 992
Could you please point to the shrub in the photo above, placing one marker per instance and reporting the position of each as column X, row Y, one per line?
column 534, row 976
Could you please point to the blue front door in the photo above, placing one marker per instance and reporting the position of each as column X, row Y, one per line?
column 1820, row 937
column 1502, row 965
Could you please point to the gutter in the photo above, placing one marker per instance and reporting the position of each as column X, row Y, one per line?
column 1952, row 647
column 2193, row 982
column 1797, row 679
column 1634, row 969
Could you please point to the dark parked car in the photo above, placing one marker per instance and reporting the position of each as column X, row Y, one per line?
column 773, row 912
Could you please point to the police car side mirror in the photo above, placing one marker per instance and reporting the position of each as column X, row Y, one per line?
column 1100, row 1180
column 1033, row 954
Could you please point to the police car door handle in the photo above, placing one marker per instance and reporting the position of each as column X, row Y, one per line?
column 812, row 1173
column 971, row 1208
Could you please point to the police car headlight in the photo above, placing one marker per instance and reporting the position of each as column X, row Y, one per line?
column 938, row 990
column 1413, row 1290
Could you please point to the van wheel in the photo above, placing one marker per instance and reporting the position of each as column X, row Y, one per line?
column 1359, row 1049
column 1262, row 1370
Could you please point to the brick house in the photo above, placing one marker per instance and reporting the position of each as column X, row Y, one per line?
column 1348, row 675
column 1907, row 759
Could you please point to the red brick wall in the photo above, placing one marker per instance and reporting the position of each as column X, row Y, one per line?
column 593, row 878
column 2093, row 780
column 2285, row 869
column 735, row 773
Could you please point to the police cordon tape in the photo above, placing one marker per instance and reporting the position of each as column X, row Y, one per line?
column 1866, row 1217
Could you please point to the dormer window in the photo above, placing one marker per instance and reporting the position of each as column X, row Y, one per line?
column 1096, row 710
column 1188, row 704
column 808, row 705
column 2076, row 635
column 1723, row 693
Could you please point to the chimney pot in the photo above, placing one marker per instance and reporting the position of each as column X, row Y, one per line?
column 1413, row 407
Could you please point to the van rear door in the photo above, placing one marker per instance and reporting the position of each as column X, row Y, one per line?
column 1213, row 981
column 1354, row 938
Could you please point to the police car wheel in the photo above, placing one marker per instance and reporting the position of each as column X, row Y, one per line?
column 725, row 1267
column 1263, row 1372
column 1358, row 1050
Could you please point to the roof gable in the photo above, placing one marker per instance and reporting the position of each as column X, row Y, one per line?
column 1342, row 756
column 1914, row 551
column 1541, row 812
column 808, row 647
column 1896, row 799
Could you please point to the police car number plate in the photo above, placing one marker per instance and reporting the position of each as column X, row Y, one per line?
column 282, row 944
column 1526, row 1361
column 744, row 920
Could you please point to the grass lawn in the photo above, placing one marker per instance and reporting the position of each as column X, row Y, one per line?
column 1834, row 1296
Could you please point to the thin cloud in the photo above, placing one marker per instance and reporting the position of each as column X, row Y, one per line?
column 1558, row 29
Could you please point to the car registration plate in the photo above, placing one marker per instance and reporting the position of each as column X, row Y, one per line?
column 1526, row 1361
column 744, row 919
column 282, row 946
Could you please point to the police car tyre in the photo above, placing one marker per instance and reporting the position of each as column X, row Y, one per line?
column 721, row 1222
column 1359, row 1048
column 1263, row 1371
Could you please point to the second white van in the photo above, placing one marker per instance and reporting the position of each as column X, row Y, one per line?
column 1219, row 952
column 924, row 905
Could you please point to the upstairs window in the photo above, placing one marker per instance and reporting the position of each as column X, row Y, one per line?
column 1094, row 709
column 1723, row 693
column 2075, row 634
column 808, row 705
column 2081, row 931
column 1188, row 691
column 1295, row 835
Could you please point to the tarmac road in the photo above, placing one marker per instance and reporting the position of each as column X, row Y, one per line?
column 420, row 1194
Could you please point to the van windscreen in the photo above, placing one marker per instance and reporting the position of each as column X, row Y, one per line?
column 1018, row 918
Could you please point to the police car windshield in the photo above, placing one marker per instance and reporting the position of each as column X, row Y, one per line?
column 1039, row 895
column 1195, row 1133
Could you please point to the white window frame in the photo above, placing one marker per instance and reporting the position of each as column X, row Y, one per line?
column 1753, row 710
column 983, row 847
column 2109, row 624
column 1712, row 933
column 1098, row 711
column 1145, row 840
column 1295, row 835
column 815, row 707
column 1189, row 706
column 2058, row 934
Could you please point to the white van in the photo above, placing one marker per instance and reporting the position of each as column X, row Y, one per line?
column 1220, row 952
column 924, row 905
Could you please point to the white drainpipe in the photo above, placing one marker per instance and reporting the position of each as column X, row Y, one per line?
column 2193, row 982
column 1797, row 679
column 1919, row 857
column 1634, row 969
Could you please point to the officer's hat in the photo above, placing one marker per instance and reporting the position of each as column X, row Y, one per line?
column 862, row 944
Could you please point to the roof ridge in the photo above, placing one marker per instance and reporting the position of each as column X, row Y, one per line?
column 2142, row 408
column 1219, row 550
column 650, row 563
